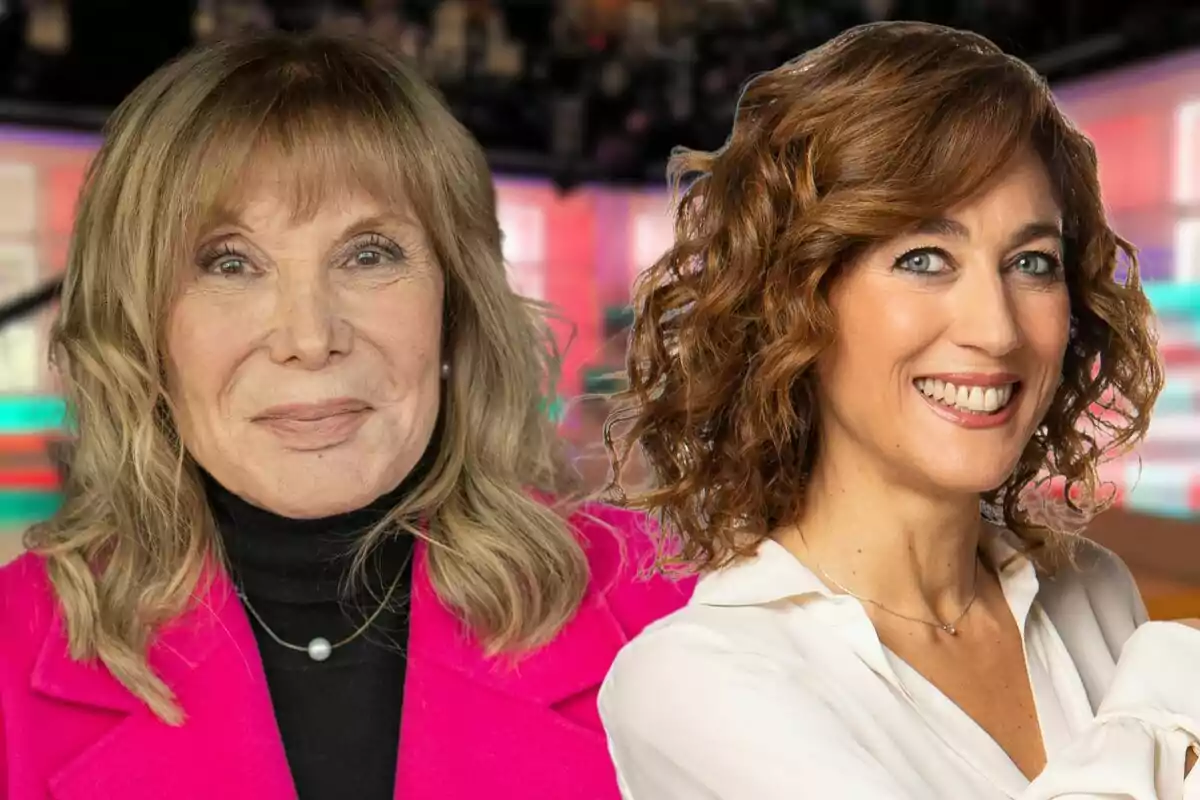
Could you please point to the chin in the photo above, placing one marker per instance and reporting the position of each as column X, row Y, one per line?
column 316, row 500
column 967, row 482
column 307, row 509
column 973, row 474
column 966, row 485
column 953, row 461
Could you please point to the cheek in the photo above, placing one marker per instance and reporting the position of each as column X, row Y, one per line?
column 406, row 328
column 877, row 334
column 203, row 348
column 1045, row 322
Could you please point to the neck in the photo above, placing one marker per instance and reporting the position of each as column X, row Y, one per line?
column 911, row 551
column 308, row 560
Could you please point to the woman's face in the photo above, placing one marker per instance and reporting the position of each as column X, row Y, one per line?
column 950, row 342
column 304, row 356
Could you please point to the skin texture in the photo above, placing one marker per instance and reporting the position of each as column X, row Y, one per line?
column 990, row 301
column 893, row 508
column 276, row 310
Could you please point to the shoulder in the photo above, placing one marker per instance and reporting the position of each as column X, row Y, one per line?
column 25, row 591
column 620, row 546
column 721, row 640
column 1097, row 571
column 613, row 538
column 1096, row 579
column 694, row 674
column 757, row 681
column 672, row 657
column 689, row 636
column 28, row 608
column 1096, row 564
column 740, row 641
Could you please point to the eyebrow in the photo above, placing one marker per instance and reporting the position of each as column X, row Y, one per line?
column 219, row 219
column 229, row 219
column 375, row 222
column 1041, row 229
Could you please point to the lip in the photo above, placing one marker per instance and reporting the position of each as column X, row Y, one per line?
column 309, row 427
column 312, row 412
column 974, row 378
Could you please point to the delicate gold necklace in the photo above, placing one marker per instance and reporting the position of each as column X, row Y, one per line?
column 950, row 628
column 320, row 648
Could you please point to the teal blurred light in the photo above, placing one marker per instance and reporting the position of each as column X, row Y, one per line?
column 24, row 414
column 21, row 508
column 1175, row 299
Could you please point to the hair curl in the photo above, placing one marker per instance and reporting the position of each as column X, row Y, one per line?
column 135, row 535
column 849, row 145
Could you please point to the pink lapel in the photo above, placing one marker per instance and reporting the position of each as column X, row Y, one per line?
column 578, row 658
column 229, row 746
column 479, row 728
column 474, row 728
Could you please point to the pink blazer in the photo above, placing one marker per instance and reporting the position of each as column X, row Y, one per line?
column 472, row 728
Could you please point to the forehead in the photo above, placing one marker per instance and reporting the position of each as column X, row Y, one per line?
column 1021, row 192
column 276, row 191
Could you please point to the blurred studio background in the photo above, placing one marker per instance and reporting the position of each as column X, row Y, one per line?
column 578, row 103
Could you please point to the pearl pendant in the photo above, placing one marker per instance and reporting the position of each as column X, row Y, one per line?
column 319, row 649
column 950, row 629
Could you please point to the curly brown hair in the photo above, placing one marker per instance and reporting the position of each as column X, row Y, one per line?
column 849, row 145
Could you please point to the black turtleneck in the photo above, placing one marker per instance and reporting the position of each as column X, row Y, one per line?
column 339, row 718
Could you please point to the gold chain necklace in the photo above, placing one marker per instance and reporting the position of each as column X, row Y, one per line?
column 950, row 628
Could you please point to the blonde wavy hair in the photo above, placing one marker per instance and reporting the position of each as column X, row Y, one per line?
column 134, row 539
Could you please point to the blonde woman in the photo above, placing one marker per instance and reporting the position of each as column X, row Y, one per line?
column 313, row 541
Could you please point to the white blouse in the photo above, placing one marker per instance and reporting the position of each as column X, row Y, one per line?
column 768, row 686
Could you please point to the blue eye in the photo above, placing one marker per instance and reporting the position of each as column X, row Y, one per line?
column 923, row 262
column 1037, row 264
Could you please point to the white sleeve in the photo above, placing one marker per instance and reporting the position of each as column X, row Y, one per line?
column 1118, row 759
column 701, row 724
column 697, row 723
column 1150, row 716
column 1136, row 747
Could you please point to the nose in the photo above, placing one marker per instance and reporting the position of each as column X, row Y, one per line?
column 985, row 318
column 309, row 330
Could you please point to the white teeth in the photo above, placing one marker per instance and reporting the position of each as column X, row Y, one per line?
column 975, row 399
column 963, row 398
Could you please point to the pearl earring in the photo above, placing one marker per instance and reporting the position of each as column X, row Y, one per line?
column 445, row 370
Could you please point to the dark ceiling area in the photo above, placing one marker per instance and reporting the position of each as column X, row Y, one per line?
column 577, row 89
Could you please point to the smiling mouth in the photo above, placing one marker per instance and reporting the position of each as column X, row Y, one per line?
column 981, row 400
